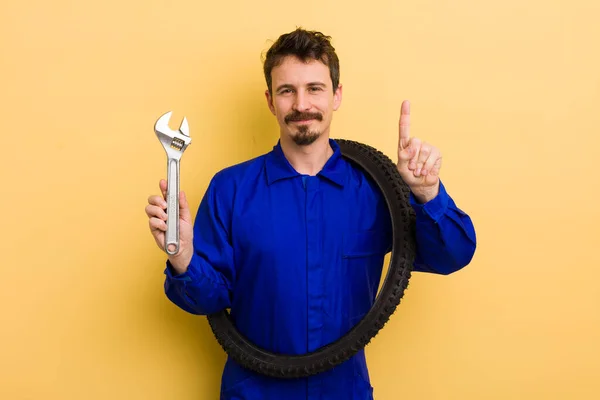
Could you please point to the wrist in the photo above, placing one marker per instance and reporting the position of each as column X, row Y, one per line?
column 180, row 262
column 425, row 195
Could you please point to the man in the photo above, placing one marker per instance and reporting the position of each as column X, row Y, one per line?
column 293, row 241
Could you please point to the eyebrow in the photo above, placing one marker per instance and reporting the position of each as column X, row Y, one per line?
column 290, row 86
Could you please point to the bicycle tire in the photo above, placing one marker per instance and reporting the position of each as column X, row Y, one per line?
column 385, row 173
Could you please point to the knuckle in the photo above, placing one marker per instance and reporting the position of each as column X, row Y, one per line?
column 157, row 224
column 151, row 211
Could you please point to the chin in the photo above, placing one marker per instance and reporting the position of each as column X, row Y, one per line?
column 305, row 138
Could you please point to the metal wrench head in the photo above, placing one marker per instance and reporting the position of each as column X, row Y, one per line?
column 174, row 142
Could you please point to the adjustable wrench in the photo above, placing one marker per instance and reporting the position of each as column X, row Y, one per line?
column 175, row 143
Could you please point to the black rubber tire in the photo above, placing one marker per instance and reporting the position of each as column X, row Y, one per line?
column 396, row 192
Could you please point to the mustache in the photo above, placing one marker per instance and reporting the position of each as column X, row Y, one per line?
column 299, row 116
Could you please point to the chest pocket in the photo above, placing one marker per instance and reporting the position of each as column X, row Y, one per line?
column 365, row 243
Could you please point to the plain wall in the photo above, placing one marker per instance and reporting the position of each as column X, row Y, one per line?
column 509, row 91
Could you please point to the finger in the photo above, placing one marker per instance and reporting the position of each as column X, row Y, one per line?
column 415, row 143
column 156, row 212
column 157, row 225
column 157, row 201
column 424, row 154
column 163, row 187
column 435, row 171
column 184, row 208
column 406, row 155
column 404, row 125
column 429, row 164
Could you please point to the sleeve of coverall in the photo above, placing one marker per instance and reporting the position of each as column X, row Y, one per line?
column 445, row 235
column 205, row 287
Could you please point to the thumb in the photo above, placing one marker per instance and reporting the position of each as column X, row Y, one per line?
column 406, row 155
column 184, row 208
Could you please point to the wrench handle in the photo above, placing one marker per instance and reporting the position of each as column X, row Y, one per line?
column 172, row 235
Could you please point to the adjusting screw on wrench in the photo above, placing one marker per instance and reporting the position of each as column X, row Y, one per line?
column 175, row 143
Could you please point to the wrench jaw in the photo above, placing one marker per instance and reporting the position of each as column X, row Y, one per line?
column 174, row 142
column 185, row 128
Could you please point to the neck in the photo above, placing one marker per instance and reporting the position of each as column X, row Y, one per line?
column 307, row 160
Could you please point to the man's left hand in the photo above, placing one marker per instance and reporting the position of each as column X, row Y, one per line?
column 419, row 163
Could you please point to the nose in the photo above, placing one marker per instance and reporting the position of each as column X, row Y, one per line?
column 301, row 102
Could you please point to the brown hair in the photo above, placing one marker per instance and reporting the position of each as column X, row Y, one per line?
column 304, row 45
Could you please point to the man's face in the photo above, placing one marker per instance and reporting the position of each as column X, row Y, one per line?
column 303, row 99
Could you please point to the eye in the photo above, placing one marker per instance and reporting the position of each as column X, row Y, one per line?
column 315, row 88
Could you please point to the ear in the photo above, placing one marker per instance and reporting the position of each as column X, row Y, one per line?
column 270, row 101
column 337, row 97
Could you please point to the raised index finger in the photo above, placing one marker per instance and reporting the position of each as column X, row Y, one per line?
column 404, row 124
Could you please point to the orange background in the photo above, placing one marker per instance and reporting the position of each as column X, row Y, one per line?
column 509, row 91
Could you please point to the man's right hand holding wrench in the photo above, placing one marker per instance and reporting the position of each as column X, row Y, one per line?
column 156, row 211
column 169, row 214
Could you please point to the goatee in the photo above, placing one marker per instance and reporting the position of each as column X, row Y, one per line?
column 304, row 137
